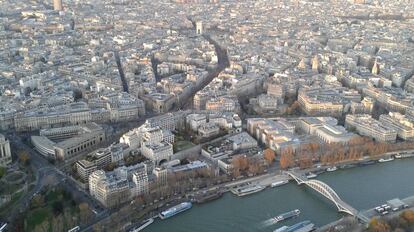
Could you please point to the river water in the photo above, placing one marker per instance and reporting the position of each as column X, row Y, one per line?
column 361, row 187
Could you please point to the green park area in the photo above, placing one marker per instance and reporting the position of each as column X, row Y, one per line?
column 12, row 188
column 52, row 211
column 181, row 144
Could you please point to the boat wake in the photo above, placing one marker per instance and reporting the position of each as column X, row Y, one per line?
column 268, row 222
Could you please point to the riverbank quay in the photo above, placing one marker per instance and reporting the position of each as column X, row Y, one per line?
column 351, row 224
column 275, row 175
column 406, row 203
column 345, row 224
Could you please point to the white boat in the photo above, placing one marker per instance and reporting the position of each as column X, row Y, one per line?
column 385, row 160
column 398, row 156
column 311, row 175
column 281, row 229
column 278, row 183
column 288, row 215
column 247, row 190
column 332, row 169
column 175, row 210
column 305, row 226
column 406, row 155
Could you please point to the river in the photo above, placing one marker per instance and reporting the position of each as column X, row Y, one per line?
column 361, row 187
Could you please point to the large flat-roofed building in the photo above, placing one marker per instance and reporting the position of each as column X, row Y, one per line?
column 280, row 141
column 5, row 153
column 242, row 141
column 276, row 134
column 260, row 128
column 192, row 166
column 92, row 136
column 325, row 128
column 87, row 137
column 310, row 124
column 44, row 146
column 398, row 122
column 61, row 133
column 333, row 134
column 367, row 126
column 327, row 101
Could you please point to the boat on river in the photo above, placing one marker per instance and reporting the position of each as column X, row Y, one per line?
column 288, row 215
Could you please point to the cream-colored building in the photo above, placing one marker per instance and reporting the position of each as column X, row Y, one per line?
column 368, row 126
column 199, row 27
column 109, row 189
column 222, row 104
column 327, row 100
column 158, row 152
column 119, row 186
column 74, row 114
column 57, row 5
column 275, row 134
column 364, row 107
column 325, row 128
column 79, row 139
column 398, row 122
column 5, row 153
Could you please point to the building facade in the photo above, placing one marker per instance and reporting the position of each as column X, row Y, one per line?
column 365, row 125
column 5, row 153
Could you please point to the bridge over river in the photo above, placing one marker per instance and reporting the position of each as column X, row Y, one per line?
column 326, row 191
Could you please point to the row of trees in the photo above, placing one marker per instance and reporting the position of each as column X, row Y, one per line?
column 54, row 210
column 330, row 154
column 402, row 223
column 177, row 184
column 245, row 165
column 61, row 222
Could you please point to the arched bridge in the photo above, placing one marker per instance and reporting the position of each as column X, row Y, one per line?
column 327, row 192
